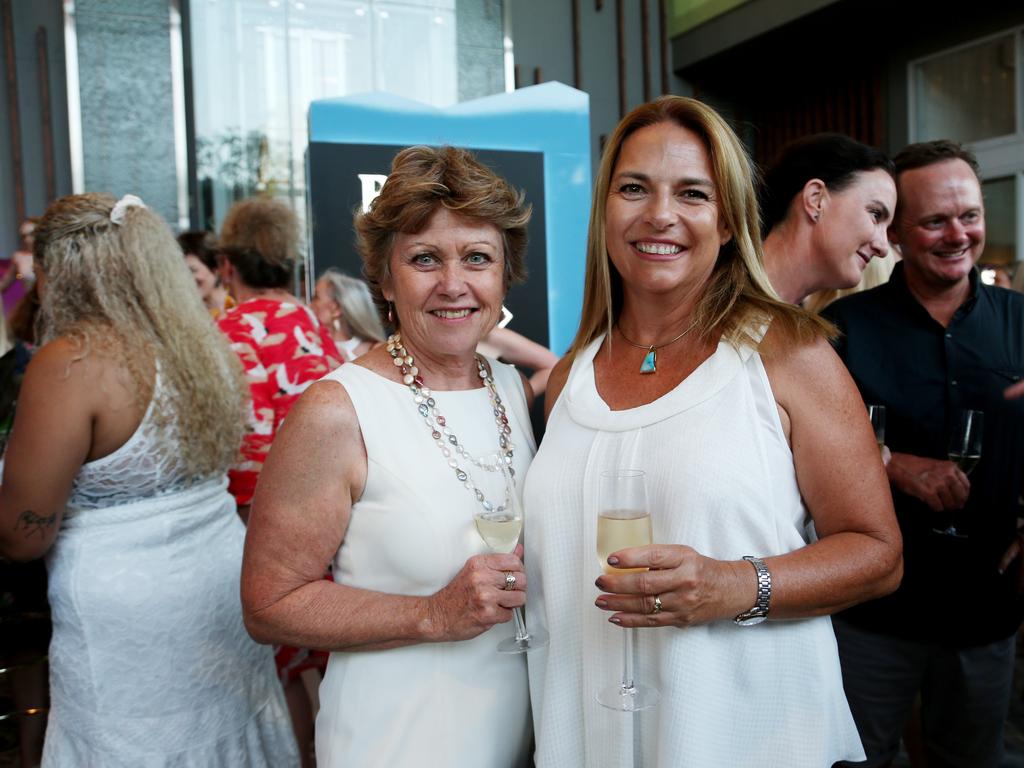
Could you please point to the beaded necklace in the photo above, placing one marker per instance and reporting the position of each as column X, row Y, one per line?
column 442, row 434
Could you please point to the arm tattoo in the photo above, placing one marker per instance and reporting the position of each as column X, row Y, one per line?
column 31, row 523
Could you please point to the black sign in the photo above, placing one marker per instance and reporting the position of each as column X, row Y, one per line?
column 336, row 193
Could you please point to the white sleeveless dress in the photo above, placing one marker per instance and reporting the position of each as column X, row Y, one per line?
column 450, row 705
column 720, row 479
column 150, row 663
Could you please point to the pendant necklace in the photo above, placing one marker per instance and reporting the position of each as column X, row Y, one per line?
column 442, row 434
column 650, row 363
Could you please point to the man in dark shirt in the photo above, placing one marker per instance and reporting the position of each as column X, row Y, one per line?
column 928, row 344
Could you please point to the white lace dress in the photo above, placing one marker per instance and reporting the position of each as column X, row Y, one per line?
column 150, row 664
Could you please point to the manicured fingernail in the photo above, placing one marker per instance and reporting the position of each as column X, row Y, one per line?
column 615, row 620
column 601, row 603
column 613, row 560
column 598, row 584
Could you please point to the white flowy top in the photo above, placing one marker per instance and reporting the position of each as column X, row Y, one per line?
column 720, row 478
column 453, row 704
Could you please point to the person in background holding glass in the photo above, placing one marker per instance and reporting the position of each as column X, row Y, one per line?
column 688, row 367
column 380, row 469
column 344, row 306
column 826, row 202
column 931, row 343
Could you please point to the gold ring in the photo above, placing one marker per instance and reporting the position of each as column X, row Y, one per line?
column 657, row 604
column 510, row 580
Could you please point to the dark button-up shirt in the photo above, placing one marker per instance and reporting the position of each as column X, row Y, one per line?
column 900, row 357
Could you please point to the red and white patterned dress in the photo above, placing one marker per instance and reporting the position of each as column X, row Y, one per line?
column 283, row 349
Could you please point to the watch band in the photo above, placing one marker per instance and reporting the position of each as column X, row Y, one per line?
column 759, row 612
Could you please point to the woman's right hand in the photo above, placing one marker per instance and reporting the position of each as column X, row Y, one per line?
column 476, row 599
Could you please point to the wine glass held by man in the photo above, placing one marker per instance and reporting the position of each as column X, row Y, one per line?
column 826, row 202
column 688, row 366
column 381, row 467
column 128, row 417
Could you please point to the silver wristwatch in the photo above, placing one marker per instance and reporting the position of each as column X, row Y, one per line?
column 759, row 612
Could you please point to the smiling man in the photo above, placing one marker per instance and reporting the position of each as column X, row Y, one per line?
column 930, row 343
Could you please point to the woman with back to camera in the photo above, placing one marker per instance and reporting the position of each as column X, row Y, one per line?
column 128, row 417
column 826, row 204
column 282, row 345
column 381, row 467
column 343, row 304
column 284, row 349
column 687, row 366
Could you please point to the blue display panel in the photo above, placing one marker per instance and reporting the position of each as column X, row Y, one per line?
column 538, row 137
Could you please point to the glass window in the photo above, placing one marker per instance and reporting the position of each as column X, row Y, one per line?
column 257, row 65
column 1000, row 221
column 968, row 94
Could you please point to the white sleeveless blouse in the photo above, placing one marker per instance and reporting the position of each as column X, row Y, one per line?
column 454, row 704
column 720, row 478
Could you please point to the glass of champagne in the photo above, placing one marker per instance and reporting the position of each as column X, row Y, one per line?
column 500, row 529
column 877, row 415
column 624, row 520
column 964, row 450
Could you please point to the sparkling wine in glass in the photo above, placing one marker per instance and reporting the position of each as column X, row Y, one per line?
column 500, row 529
column 964, row 451
column 624, row 520
column 877, row 415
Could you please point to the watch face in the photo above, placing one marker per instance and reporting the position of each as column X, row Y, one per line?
column 749, row 621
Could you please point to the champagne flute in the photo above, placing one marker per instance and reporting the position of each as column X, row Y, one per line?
column 877, row 415
column 500, row 529
column 624, row 520
column 964, row 451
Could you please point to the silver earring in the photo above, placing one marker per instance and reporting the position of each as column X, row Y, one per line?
column 391, row 313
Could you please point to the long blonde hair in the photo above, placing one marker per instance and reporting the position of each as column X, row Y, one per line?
column 124, row 290
column 738, row 295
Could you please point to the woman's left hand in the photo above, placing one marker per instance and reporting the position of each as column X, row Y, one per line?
column 682, row 587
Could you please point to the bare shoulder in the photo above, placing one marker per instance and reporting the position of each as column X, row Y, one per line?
column 61, row 366
column 795, row 366
column 320, row 442
column 326, row 406
column 556, row 382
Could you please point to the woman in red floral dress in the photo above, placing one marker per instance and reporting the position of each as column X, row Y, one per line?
column 283, row 349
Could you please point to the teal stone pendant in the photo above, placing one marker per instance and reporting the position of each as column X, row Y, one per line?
column 650, row 363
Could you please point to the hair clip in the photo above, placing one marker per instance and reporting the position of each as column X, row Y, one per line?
column 121, row 207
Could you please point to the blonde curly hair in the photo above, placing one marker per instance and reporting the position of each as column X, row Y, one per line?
column 124, row 290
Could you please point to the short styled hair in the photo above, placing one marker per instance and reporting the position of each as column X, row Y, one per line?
column 424, row 180
column 260, row 237
column 834, row 158
column 926, row 153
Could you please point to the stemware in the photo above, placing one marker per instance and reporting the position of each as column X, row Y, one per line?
column 965, row 451
column 624, row 520
column 877, row 415
column 501, row 529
